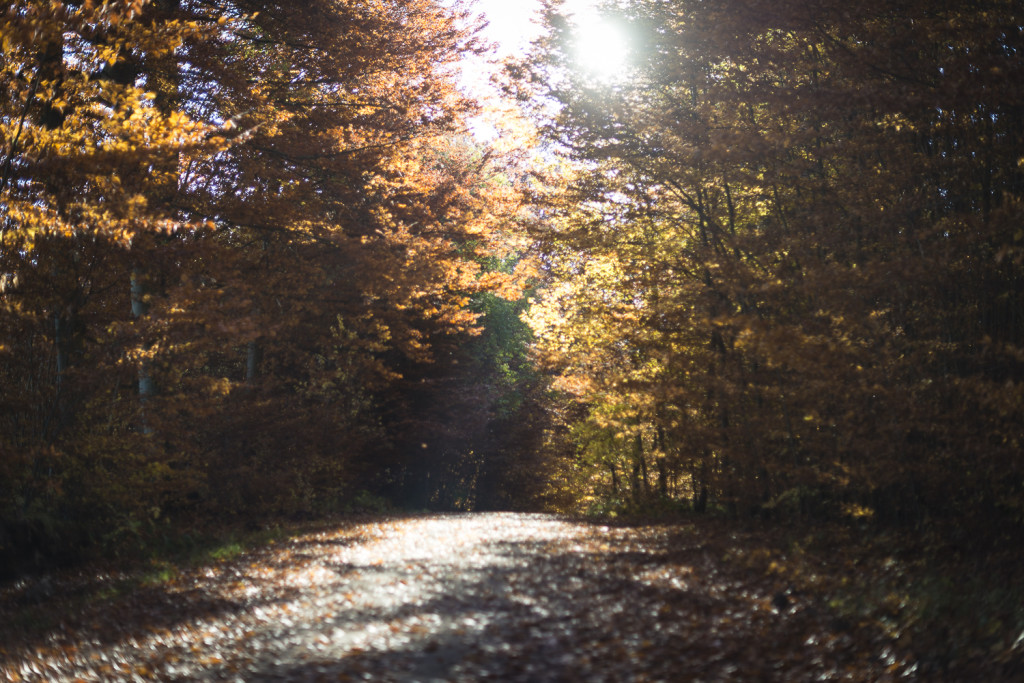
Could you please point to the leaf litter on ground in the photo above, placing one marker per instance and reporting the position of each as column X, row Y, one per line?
column 489, row 596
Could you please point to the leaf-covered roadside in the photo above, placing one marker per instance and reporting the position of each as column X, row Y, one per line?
column 955, row 606
column 532, row 597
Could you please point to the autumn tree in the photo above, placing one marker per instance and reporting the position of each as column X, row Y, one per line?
column 787, row 271
column 227, row 241
column 441, row 415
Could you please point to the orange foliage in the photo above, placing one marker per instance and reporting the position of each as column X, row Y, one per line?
column 788, row 264
column 229, row 230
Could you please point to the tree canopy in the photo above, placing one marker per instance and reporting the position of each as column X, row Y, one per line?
column 254, row 260
column 787, row 275
column 234, row 236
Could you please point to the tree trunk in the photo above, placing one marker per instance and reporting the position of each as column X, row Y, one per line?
column 642, row 480
column 662, row 477
column 63, row 329
column 253, row 355
column 140, row 307
column 700, row 502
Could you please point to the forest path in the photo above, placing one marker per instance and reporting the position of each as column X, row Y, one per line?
column 465, row 597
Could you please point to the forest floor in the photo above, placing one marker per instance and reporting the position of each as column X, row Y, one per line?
column 509, row 597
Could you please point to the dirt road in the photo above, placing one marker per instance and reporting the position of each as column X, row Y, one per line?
column 506, row 597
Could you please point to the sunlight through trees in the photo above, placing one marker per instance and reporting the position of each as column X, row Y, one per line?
column 755, row 258
column 785, row 277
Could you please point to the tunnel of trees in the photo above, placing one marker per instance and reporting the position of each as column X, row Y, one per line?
column 254, row 262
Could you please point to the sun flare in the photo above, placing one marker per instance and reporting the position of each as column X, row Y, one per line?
column 602, row 46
